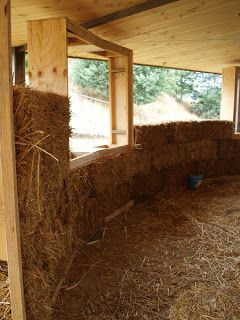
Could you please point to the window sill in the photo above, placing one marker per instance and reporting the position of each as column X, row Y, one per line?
column 91, row 157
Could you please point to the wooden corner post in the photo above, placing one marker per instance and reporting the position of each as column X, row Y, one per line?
column 8, row 183
column 229, row 93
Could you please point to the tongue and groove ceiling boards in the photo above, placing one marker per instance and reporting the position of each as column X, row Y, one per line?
column 201, row 35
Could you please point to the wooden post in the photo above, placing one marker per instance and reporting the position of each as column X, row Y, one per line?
column 3, row 240
column 8, row 167
column 229, row 93
column 121, row 99
column 47, row 55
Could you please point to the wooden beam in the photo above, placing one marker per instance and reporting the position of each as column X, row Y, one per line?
column 19, row 65
column 92, row 38
column 229, row 93
column 105, row 54
column 47, row 55
column 87, row 48
column 8, row 167
column 151, row 4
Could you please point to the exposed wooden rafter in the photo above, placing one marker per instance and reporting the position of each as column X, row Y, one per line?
column 91, row 38
column 151, row 4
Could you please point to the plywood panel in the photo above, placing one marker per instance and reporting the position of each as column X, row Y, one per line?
column 47, row 55
column 8, row 168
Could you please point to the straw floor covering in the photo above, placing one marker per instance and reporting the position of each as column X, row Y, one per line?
column 176, row 257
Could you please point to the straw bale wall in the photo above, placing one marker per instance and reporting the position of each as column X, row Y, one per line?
column 42, row 155
column 60, row 208
column 165, row 156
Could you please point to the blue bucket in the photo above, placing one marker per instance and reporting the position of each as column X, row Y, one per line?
column 194, row 181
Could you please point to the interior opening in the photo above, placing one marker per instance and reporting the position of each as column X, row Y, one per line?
column 160, row 95
column 89, row 97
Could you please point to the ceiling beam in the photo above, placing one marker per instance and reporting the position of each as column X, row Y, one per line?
column 151, row 4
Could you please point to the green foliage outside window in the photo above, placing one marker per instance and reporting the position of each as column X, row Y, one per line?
column 203, row 90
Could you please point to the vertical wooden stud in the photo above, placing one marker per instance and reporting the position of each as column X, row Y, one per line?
column 47, row 55
column 8, row 167
column 121, row 101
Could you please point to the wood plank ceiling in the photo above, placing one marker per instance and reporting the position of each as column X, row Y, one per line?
column 199, row 35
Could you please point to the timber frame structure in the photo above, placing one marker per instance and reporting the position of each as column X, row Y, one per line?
column 48, row 71
column 48, row 68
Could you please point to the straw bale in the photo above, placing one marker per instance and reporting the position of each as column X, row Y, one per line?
column 78, row 206
column 197, row 130
column 107, row 172
column 111, row 199
column 42, row 155
column 100, row 174
column 175, row 177
column 184, row 131
column 144, row 186
column 118, row 171
column 229, row 149
column 169, row 155
column 143, row 161
column 85, row 205
column 233, row 166
column 152, row 136
column 216, row 129
column 177, row 153
column 201, row 150
column 5, row 307
column 130, row 163
column 213, row 167
column 206, row 302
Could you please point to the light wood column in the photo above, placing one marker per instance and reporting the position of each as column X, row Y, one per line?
column 229, row 93
column 3, row 239
column 121, row 99
column 8, row 167
column 47, row 55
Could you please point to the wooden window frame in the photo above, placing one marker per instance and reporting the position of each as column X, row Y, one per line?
column 51, row 76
